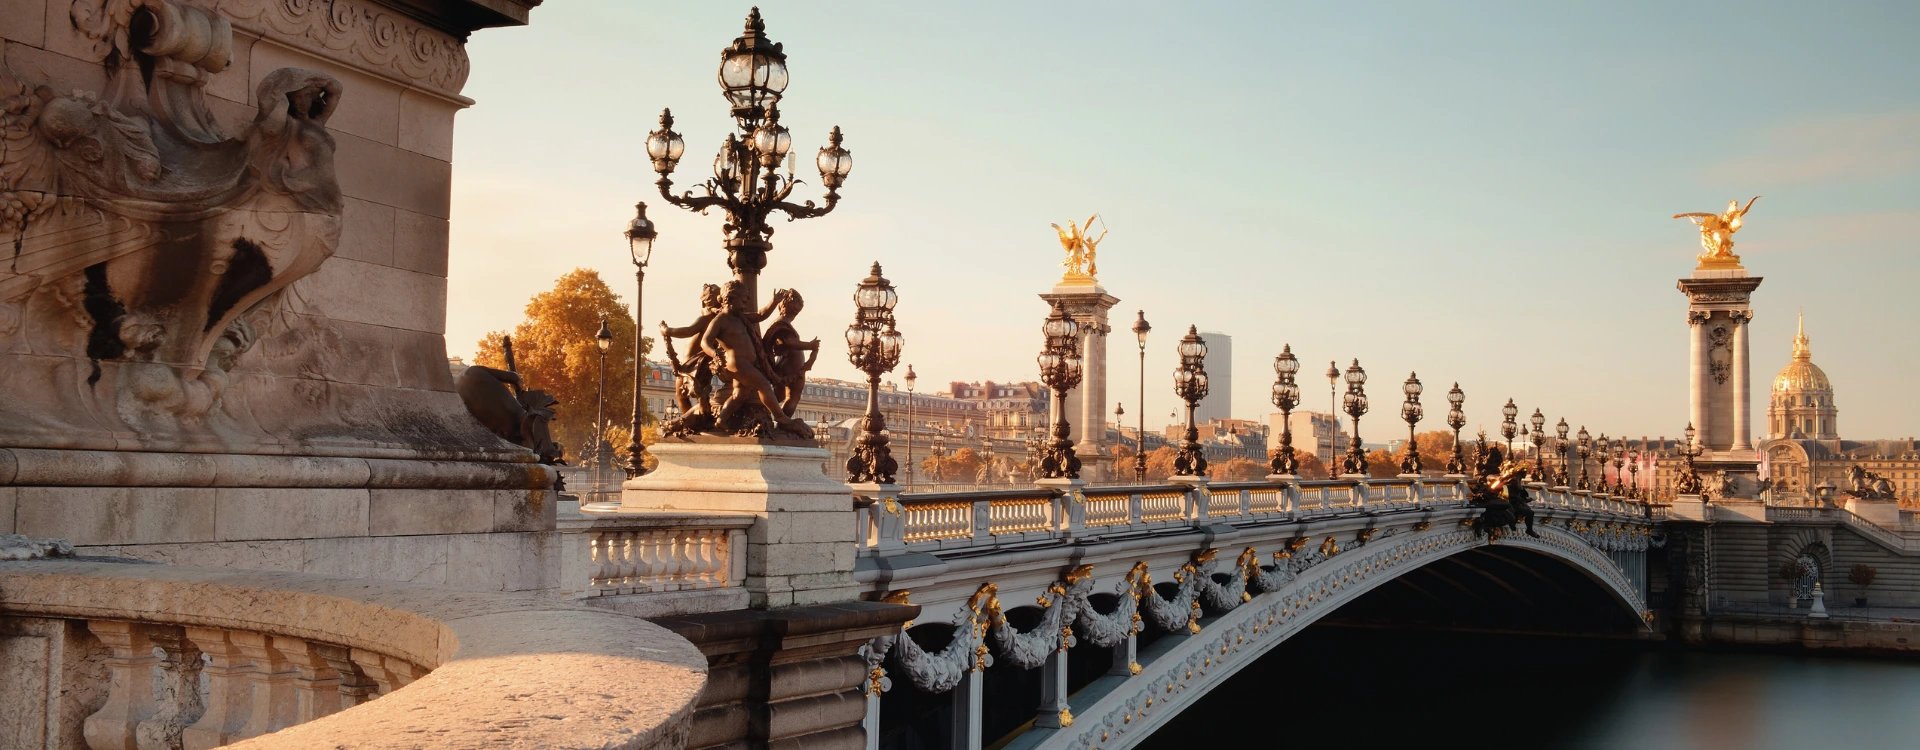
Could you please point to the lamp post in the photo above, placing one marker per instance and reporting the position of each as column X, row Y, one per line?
column 746, row 181
column 1190, row 384
column 602, row 340
column 989, row 452
column 936, row 454
column 1539, row 422
column 1457, row 419
column 1333, row 415
column 873, row 347
column 1060, row 370
column 1036, row 450
column 640, row 237
column 1411, row 411
column 1508, row 429
column 1602, row 451
column 1633, row 467
column 1619, row 463
column 1585, row 449
column 825, row 442
column 1560, row 444
column 1286, row 395
column 1140, row 329
column 1689, row 480
column 911, row 425
column 1356, row 405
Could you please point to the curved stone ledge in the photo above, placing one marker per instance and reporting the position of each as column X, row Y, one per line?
column 46, row 467
column 505, row 669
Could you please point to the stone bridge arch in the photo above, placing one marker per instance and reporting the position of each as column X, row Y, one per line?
column 1178, row 677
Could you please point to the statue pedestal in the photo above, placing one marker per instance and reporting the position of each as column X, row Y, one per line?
column 800, row 549
column 1884, row 513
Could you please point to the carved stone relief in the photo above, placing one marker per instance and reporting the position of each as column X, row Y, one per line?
column 147, row 246
column 1720, row 356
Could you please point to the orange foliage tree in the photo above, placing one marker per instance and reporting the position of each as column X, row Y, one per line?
column 555, row 352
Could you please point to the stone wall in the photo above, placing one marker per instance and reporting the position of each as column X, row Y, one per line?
column 222, row 324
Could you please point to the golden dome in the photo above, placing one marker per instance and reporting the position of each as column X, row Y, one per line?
column 1801, row 374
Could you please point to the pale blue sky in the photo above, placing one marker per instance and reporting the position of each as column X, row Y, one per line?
column 1479, row 192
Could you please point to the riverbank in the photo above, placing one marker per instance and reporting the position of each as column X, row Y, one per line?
column 1862, row 630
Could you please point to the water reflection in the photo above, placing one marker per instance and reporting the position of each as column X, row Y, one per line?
column 1389, row 689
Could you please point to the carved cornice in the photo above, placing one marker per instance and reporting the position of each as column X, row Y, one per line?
column 360, row 33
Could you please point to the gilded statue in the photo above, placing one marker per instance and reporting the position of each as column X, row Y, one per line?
column 1081, row 261
column 1716, row 232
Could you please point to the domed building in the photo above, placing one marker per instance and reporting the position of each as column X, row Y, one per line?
column 1804, row 450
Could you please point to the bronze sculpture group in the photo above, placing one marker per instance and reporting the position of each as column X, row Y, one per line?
column 735, row 380
column 1500, row 491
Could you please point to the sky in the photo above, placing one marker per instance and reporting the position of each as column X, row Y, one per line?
column 1479, row 192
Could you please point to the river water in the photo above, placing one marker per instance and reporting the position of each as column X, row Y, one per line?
column 1366, row 688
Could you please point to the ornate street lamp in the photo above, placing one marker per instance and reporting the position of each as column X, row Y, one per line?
column 1508, row 428
column 1356, row 405
column 1060, row 370
column 1140, row 329
column 822, row 439
column 1286, row 395
column 1585, row 449
column 1457, row 419
column 873, row 347
column 1601, row 453
column 1619, row 463
column 911, row 424
column 1689, row 480
column 1633, row 467
column 1333, row 412
column 988, row 451
column 640, row 237
column 1190, row 384
column 1036, row 450
column 1539, row 422
column 1560, row 443
column 746, row 181
column 602, row 340
column 1411, row 411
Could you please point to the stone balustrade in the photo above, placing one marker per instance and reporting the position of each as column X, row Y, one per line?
column 655, row 563
column 889, row 521
column 112, row 654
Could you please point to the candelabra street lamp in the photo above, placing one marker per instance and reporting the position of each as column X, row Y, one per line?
column 1140, row 329
column 873, row 347
column 1356, row 405
column 1560, row 444
column 1539, row 423
column 1508, row 428
column 747, row 183
column 1333, row 415
column 1602, row 452
column 1411, row 411
column 1457, row 419
column 602, row 340
column 640, row 237
column 1190, row 384
column 1585, row 449
column 911, row 425
column 1688, row 482
column 1286, row 395
column 1060, row 370
column 1619, row 462
column 823, row 439
column 1633, row 467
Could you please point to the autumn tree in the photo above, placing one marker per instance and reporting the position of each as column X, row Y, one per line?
column 1238, row 469
column 1160, row 462
column 961, row 466
column 554, row 350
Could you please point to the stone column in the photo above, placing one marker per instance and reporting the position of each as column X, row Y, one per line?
column 968, row 706
column 1742, row 384
column 1053, row 692
column 1697, row 372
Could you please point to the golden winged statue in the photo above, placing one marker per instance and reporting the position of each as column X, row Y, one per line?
column 1081, row 261
column 1716, row 233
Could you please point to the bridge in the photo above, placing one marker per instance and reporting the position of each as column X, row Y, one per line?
column 1069, row 616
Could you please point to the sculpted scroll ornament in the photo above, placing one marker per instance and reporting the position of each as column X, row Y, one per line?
column 145, row 241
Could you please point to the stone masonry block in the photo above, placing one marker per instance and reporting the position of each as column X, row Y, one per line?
column 420, row 243
column 801, row 528
column 392, row 176
column 798, row 559
column 426, row 124
column 275, row 513
column 25, row 22
column 378, row 295
column 116, row 515
column 398, row 512
column 9, row 498
column 523, row 510
column 367, row 232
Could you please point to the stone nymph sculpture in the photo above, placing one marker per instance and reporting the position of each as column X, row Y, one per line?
column 146, row 250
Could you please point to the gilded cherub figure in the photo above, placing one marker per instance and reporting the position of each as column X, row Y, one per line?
column 1716, row 231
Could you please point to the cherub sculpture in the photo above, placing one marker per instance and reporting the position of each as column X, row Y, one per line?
column 740, row 362
column 788, row 357
column 1716, row 231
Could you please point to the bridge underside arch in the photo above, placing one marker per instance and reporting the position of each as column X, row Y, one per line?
column 1494, row 588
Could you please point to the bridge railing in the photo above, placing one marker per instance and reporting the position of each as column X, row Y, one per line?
column 891, row 521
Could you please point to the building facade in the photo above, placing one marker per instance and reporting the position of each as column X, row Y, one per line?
column 1803, row 449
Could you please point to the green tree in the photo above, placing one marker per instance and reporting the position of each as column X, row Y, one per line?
column 554, row 350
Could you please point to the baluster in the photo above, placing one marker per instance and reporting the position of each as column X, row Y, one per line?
column 705, row 577
column 374, row 666
column 130, row 663
column 982, row 521
column 355, row 686
column 316, row 686
column 1134, row 501
column 272, row 703
column 228, row 691
column 650, row 560
column 178, row 701
column 597, row 555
